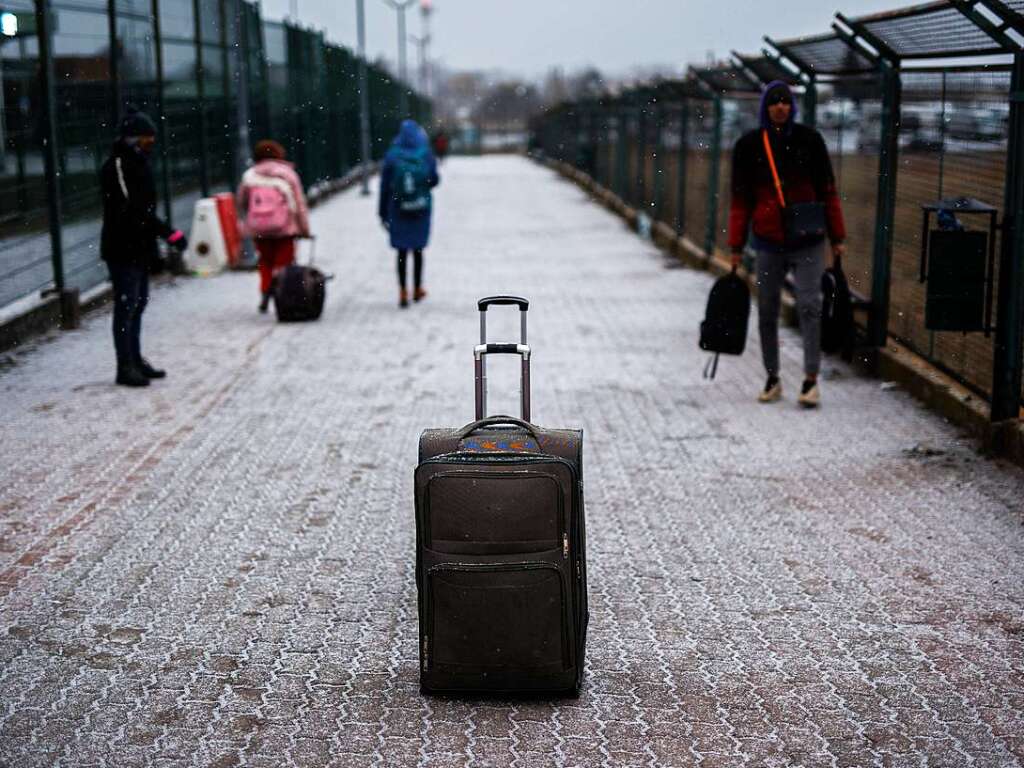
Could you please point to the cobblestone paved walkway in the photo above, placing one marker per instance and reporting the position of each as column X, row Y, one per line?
column 218, row 571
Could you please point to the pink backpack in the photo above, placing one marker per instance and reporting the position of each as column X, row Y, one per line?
column 268, row 214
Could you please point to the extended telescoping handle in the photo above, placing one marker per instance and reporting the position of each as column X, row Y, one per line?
column 483, row 349
column 518, row 301
column 480, row 353
column 312, row 249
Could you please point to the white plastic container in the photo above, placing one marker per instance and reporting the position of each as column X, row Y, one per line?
column 207, row 253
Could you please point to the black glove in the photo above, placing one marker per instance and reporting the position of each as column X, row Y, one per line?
column 178, row 240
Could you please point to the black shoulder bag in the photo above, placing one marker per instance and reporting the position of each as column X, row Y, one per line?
column 803, row 223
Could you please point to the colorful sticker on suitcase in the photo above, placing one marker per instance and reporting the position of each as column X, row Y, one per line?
column 497, row 444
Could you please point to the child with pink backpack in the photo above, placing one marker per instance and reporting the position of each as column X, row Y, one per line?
column 275, row 212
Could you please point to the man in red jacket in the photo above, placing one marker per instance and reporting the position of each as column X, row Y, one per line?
column 804, row 173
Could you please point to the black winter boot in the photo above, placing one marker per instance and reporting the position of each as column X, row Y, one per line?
column 130, row 376
column 149, row 371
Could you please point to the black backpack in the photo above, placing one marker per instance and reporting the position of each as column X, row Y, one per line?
column 836, row 313
column 724, row 330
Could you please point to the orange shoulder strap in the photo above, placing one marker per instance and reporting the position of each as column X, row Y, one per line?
column 771, row 162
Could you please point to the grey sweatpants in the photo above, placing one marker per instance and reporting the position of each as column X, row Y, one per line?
column 807, row 265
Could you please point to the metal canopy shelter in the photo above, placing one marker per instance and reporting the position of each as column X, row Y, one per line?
column 767, row 69
column 668, row 90
column 938, row 30
column 825, row 55
column 728, row 78
column 939, row 37
column 952, row 29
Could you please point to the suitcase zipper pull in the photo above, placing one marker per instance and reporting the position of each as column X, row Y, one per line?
column 565, row 546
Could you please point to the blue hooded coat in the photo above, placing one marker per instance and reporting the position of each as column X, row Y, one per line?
column 408, row 231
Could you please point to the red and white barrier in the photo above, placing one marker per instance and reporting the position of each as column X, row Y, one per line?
column 215, row 241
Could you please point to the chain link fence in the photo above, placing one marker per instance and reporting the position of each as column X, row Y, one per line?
column 185, row 63
column 949, row 127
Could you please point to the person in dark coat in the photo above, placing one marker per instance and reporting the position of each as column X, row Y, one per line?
column 408, row 174
column 805, row 175
column 128, row 240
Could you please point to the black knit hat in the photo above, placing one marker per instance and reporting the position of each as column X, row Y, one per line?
column 136, row 123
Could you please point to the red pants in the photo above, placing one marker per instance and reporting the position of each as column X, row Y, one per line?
column 275, row 254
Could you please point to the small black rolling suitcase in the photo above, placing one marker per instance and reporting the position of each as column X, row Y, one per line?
column 299, row 291
column 500, row 547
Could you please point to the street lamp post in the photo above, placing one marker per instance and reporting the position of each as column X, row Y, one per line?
column 421, row 44
column 426, row 8
column 364, row 99
column 3, row 109
column 400, row 7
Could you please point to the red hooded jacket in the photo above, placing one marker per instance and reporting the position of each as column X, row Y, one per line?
column 806, row 175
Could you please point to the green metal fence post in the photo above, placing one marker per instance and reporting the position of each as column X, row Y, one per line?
column 684, row 143
column 601, row 166
column 204, row 154
column 620, row 150
column 232, row 147
column 243, row 116
column 881, row 262
column 1009, row 342
column 43, row 27
column 811, row 101
column 114, row 63
column 713, row 177
column 594, row 138
column 640, row 179
column 161, row 122
column 657, row 199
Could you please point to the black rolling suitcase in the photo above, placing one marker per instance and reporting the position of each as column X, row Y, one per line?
column 300, row 291
column 501, row 547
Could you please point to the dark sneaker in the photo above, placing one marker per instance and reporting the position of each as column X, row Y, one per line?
column 149, row 371
column 131, row 377
column 264, row 303
column 772, row 390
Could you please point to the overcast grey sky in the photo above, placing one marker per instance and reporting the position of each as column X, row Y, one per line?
column 531, row 36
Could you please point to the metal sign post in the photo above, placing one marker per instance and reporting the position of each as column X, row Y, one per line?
column 364, row 101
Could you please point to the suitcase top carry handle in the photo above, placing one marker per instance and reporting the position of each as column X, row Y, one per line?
column 492, row 421
column 523, row 304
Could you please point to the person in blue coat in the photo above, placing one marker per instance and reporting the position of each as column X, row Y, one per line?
column 408, row 175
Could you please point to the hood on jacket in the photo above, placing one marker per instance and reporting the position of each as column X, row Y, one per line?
column 274, row 167
column 128, row 146
column 411, row 136
column 766, row 122
column 135, row 123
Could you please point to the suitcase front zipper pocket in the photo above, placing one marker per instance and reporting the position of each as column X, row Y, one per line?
column 497, row 617
column 495, row 513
